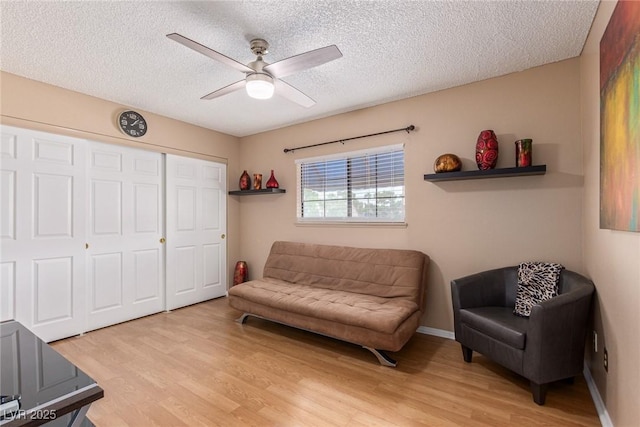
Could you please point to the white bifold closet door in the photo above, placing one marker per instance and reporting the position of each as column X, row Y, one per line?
column 125, row 255
column 82, row 226
column 42, row 217
column 196, row 227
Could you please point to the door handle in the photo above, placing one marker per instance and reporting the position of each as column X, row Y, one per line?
column 162, row 240
column 223, row 236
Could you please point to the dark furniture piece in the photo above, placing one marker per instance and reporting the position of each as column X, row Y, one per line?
column 545, row 347
column 52, row 390
column 488, row 173
column 261, row 191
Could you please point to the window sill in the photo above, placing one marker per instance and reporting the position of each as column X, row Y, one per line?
column 349, row 224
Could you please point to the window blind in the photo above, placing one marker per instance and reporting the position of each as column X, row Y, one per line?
column 360, row 186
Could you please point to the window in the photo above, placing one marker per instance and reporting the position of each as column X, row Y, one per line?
column 361, row 186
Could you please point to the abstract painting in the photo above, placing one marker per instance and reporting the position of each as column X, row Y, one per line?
column 620, row 119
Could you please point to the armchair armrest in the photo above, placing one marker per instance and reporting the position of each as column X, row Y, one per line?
column 556, row 335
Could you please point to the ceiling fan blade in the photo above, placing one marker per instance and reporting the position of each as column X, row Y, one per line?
column 303, row 61
column 209, row 52
column 225, row 90
column 285, row 90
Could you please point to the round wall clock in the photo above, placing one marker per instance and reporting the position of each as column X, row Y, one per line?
column 132, row 123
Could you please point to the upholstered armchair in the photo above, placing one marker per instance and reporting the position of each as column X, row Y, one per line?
column 545, row 347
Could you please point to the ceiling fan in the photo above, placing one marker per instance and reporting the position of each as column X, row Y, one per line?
column 262, row 79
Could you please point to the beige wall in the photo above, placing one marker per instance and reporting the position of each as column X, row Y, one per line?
column 34, row 105
column 464, row 226
column 611, row 258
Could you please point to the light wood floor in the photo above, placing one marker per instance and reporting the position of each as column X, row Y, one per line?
column 198, row 367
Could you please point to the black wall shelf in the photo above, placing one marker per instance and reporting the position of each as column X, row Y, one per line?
column 261, row 191
column 491, row 173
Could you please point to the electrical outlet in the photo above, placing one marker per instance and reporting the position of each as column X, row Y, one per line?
column 606, row 360
column 595, row 341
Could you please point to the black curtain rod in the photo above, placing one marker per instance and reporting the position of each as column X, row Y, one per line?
column 407, row 129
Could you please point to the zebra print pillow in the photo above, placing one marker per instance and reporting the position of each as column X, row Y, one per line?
column 537, row 282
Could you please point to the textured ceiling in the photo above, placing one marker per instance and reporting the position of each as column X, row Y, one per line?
column 118, row 50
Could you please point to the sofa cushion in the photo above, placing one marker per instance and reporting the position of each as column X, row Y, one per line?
column 497, row 322
column 537, row 282
column 386, row 273
column 366, row 311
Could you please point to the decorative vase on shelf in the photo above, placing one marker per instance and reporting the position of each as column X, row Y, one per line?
column 257, row 181
column 245, row 181
column 241, row 273
column 523, row 153
column 273, row 182
column 447, row 163
column 487, row 150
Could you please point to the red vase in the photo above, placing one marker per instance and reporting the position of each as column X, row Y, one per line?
column 487, row 150
column 273, row 182
column 241, row 273
column 245, row 181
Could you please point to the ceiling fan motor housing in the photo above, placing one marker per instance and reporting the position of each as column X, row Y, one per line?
column 259, row 47
column 257, row 66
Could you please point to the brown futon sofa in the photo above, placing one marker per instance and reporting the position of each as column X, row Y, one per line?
column 370, row 297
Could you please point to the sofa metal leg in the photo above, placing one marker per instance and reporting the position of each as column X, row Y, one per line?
column 242, row 318
column 383, row 357
column 467, row 353
column 539, row 392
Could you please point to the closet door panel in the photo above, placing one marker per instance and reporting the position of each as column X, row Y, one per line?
column 43, row 231
column 8, row 204
column 52, row 206
column 214, row 227
column 146, row 220
column 211, row 263
column 106, row 208
column 147, row 268
column 196, row 228
column 126, row 271
column 184, row 258
column 52, row 289
column 106, row 282
column 7, row 290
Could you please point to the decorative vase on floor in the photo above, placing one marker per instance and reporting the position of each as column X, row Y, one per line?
column 523, row 153
column 241, row 273
column 245, row 181
column 272, row 183
column 487, row 150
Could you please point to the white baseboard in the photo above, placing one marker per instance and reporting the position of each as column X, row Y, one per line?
column 436, row 332
column 597, row 399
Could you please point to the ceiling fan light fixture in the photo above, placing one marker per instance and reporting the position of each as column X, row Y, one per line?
column 260, row 86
